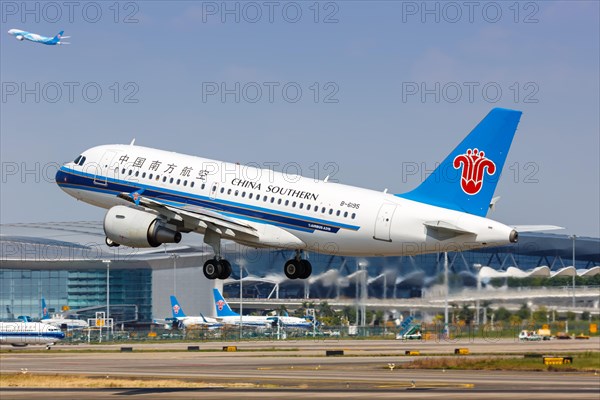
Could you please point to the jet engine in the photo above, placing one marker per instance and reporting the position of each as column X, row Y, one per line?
column 19, row 37
column 136, row 228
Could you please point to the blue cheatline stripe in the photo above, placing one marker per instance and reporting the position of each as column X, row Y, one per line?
column 51, row 335
column 81, row 180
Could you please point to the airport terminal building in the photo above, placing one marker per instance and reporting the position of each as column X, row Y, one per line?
column 69, row 265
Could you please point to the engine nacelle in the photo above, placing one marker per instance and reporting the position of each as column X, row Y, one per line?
column 135, row 228
column 21, row 38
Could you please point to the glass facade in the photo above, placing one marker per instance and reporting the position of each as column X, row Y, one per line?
column 21, row 290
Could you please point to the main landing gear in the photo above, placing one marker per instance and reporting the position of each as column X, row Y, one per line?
column 297, row 268
column 215, row 268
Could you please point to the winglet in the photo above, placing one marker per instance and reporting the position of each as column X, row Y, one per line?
column 136, row 196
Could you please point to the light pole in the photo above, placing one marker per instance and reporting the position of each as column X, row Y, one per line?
column 241, row 263
column 574, row 269
column 446, row 295
column 107, row 262
column 174, row 257
column 477, row 268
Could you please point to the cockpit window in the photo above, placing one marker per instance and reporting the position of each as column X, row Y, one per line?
column 82, row 161
column 77, row 160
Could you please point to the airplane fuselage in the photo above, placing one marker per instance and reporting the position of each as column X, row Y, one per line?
column 25, row 333
column 287, row 211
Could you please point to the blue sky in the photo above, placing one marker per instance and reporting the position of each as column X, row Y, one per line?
column 362, row 115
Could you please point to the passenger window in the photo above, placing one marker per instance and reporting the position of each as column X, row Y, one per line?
column 222, row 190
column 144, row 175
column 301, row 205
column 279, row 201
column 157, row 178
column 353, row 215
column 294, row 204
column 323, row 210
column 243, row 194
column 250, row 196
column 203, row 186
column 337, row 214
column 192, row 184
column 228, row 191
column 185, row 183
column 236, row 193
column 265, row 198
column 137, row 173
column 171, row 180
column 130, row 172
column 123, row 171
column 346, row 214
column 150, row 176
column 272, row 199
column 164, row 178
column 330, row 211
column 178, row 181
column 287, row 202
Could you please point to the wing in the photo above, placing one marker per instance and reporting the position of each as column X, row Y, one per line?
column 193, row 218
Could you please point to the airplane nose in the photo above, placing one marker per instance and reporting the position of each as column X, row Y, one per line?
column 60, row 177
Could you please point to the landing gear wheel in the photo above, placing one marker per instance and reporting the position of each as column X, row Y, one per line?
column 293, row 269
column 226, row 266
column 306, row 265
column 212, row 269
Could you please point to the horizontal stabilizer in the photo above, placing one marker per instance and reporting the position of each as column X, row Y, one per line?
column 443, row 226
column 536, row 228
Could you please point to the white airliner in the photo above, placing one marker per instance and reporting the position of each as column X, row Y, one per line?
column 60, row 321
column 185, row 321
column 21, row 334
column 153, row 196
column 226, row 315
column 34, row 37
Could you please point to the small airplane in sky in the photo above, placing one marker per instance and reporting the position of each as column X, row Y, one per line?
column 34, row 37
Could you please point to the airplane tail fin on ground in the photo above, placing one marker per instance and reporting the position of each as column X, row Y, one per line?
column 176, row 309
column 45, row 314
column 466, row 180
column 223, row 309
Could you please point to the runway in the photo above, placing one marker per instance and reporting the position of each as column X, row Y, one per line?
column 299, row 370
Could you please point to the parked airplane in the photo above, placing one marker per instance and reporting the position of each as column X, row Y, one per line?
column 228, row 316
column 60, row 321
column 34, row 37
column 21, row 334
column 185, row 321
column 152, row 196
